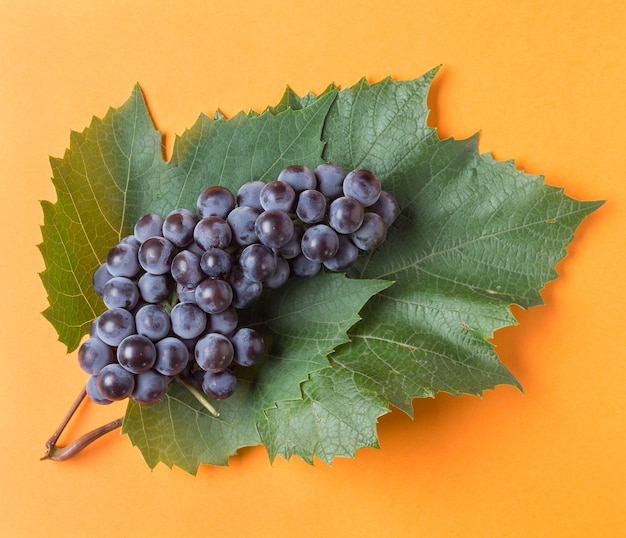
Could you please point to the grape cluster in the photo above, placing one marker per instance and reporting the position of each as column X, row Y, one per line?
column 174, row 287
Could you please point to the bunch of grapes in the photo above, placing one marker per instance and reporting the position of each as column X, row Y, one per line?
column 173, row 289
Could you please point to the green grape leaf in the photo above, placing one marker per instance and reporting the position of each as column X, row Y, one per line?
column 474, row 236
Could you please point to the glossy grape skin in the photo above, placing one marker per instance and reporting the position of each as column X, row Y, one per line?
column 320, row 243
column 345, row 257
column 122, row 260
column 100, row 277
column 258, row 262
column 249, row 195
column 153, row 322
column 280, row 275
column 345, row 215
column 245, row 291
column 214, row 352
column 387, row 207
column 93, row 355
column 115, row 382
column 213, row 232
column 293, row 247
column 363, row 186
column 241, row 220
column 156, row 255
column 215, row 262
column 178, row 227
column 114, row 325
column 150, row 225
column 219, row 385
column 150, row 387
column 136, row 353
column 248, row 345
column 274, row 228
column 154, row 288
column 371, row 234
column 301, row 266
column 215, row 202
column 299, row 177
column 172, row 356
column 311, row 207
column 120, row 292
column 186, row 269
column 214, row 295
column 225, row 322
column 278, row 195
column 91, row 387
column 188, row 320
column 185, row 295
column 330, row 180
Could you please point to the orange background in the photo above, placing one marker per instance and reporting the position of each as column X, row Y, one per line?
column 544, row 83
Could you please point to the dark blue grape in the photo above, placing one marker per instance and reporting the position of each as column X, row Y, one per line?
column 249, row 195
column 185, row 295
column 274, row 228
column 278, row 195
column 371, row 234
column 280, row 276
column 100, row 277
column 178, row 227
column 215, row 202
column 301, row 266
column 345, row 215
column 320, row 243
column 330, row 180
column 172, row 356
column 114, row 325
column 245, row 291
column 122, row 260
column 241, row 220
column 115, row 382
column 258, row 262
column 299, row 177
column 363, row 186
column 153, row 322
column 186, row 270
column 311, row 207
column 150, row 225
column 215, row 262
column 214, row 352
column 219, row 385
column 249, row 346
column 214, row 295
column 150, row 387
column 345, row 257
column 213, row 232
column 293, row 247
column 387, row 207
column 91, row 387
column 94, row 354
column 156, row 255
column 188, row 320
column 120, row 292
column 136, row 353
column 154, row 288
column 224, row 323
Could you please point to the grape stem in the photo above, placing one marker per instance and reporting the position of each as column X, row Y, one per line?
column 56, row 453
column 199, row 396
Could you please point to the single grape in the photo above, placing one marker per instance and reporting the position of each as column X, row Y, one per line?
column 241, row 220
column 249, row 195
column 185, row 294
column 274, row 228
column 156, row 255
column 115, row 382
column 114, row 325
column 150, row 225
column 320, row 243
column 136, row 353
column 94, row 354
column 330, row 180
column 214, row 295
column 303, row 267
column 130, row 240
column 100, row 277
column 225, row 322
column 258, row 262
column 153, row 322
column 215, row 262
column 172, row 356
column 120, row 292
column 293, row 247
column 215, row 202
column 213, row 232
column 214, row 352
column 91, row 387
column 188, row 320
column 245, row 291
column 280, row 276
column 122, row 260
column 372, row 232
column 186, row 270
column 363, row 186
column 345, row 215
column 387, row 207
column 154, row 288
column 311, row 207
column 345, row 257
column 249, row 346
column 150, row 387
column 178, row 227
column 299, row 177
column 278, row 195
column 219, row 385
